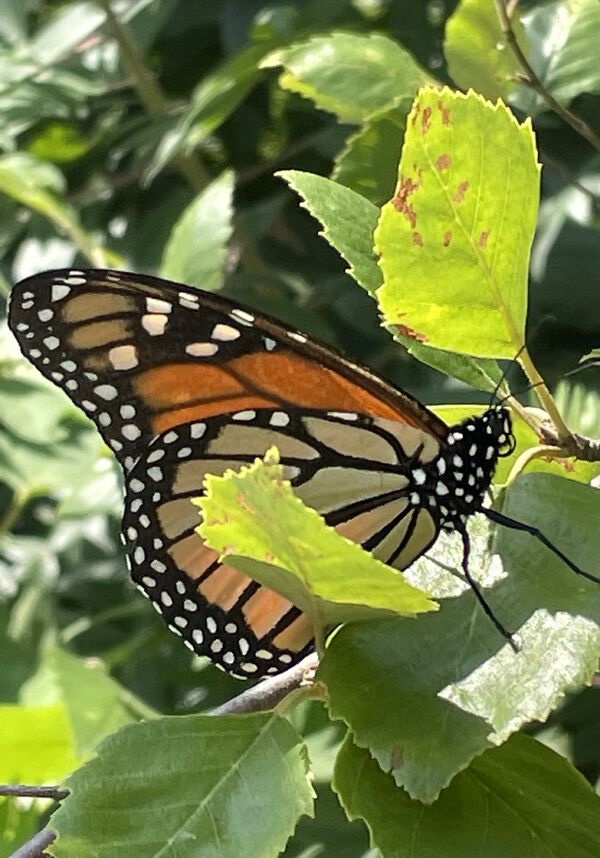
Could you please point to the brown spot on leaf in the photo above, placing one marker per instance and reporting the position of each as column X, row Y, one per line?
column 270, row 557
column 416, row 113
column 443, row 162
column 460, row 192
column 426, row 120
column 407, row 331
column 445, row 111
column 243, row 502
column 396, row 758
column 447, row 237
column 417, row 239
column 404, row 189
column 483, row 238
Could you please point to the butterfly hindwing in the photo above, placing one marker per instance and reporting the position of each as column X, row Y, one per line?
column 348, row 466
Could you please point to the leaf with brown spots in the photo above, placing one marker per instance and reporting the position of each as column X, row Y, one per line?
column 460, row 283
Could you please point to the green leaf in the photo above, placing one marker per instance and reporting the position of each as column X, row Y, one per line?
column 198, row 783
column 480, row 373
column 521, row 799
column 45, row 444
column 40, row 186
column 36, row 743
column 460, row 226
column 350, row 75
column 328, row 576
column 197, row 247
column 18, row 822
column 368, row 163
column 32, row 409
column 476, row 50
column 91, row 698
column 213, row 100
column 456, row 658
column 563, row 38
column 348, row 222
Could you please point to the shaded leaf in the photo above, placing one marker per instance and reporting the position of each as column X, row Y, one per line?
column 219, row 774
column 39, row 186
column 348, row 222
column 427, row 740
column 477, row 52
column 213, row 100
column 325, row 69
column 92, row 700
column 368, row 163
column 197, row 247
column 521, row 799
column 563, row 38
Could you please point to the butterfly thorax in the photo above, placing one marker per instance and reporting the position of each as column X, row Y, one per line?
column 453, row 485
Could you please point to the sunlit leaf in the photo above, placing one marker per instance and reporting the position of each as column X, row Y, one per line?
column 454, row 241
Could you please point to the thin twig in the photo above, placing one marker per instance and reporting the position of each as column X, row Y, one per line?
column 529, row 77
column 150, row 93
column 33, row 791
column 551, row 164
column 36, row 845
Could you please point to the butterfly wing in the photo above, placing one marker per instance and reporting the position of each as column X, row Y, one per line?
column 145, row 358
column 350, row 467
column 140, row 355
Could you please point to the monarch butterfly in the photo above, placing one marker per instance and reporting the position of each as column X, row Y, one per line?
column 181, row 383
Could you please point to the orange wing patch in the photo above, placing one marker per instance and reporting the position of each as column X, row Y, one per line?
column 182, row 392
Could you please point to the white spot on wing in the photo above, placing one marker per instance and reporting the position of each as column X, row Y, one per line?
column 154, row 324
column 202, row 349
column 279, row 418
column 106, row 391
column 60, row 291
column 225, row 333
column 156, row 305
column 123, row 357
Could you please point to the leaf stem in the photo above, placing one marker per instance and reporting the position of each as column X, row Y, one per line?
column 150, row 93
column 529, row 455
column 506, row 9
column 562, row 430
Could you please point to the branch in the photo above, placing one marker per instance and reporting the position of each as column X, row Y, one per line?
column 36, row 845
column 28, row 791
column 531, row 79
column 268, row 693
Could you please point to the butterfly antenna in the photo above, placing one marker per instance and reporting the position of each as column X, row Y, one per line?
column 521, row 392
column 479, row 595
column 504, row 376
column 499, row 518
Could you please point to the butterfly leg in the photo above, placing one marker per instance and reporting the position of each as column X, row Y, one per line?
column 498, row 518
column 479, row 595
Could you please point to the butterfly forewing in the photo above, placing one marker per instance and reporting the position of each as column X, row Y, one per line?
column 140, row 355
